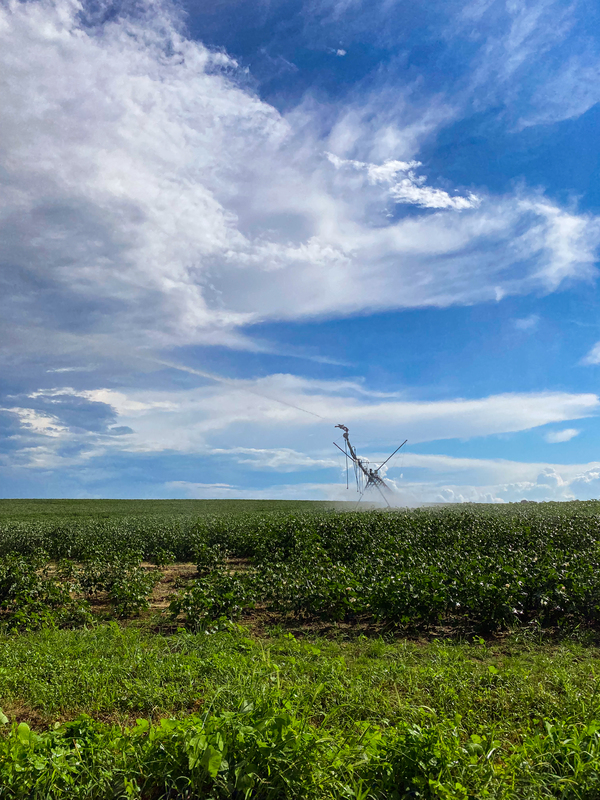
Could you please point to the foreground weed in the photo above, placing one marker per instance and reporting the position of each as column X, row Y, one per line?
column 269, row 753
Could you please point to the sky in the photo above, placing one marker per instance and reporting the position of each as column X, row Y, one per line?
column 227, row 227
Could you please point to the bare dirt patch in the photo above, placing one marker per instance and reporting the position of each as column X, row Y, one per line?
column 174, row 577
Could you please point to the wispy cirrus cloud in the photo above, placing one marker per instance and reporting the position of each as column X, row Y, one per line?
column 281, row 459
column 538, row 57
column 569, row 93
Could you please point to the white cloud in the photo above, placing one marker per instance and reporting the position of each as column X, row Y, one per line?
column 275, row 435
column 71, row 369
column 281, row 410
column 553, row 437
column 593, row 357
column 220, row 491
column 527, row 323
column 447, row 479
column 121, row 403
column 512, row 479
column 150, row 200
column 283, row 459
column 409, row 189
column 521, row 34
column 36, row 422
column 533, row 482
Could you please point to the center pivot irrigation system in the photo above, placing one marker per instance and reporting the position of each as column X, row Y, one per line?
column 366, row 476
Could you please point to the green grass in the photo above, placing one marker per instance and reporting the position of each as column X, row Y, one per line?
column 121, row 672
column 515, row 692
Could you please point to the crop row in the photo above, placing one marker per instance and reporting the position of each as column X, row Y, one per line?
column 488, row 567
column 35, row 594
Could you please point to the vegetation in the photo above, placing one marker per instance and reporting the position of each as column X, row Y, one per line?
column 299, row 651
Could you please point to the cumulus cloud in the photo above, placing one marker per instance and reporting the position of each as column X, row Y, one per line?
column 150, row 198
column 439, row 478
column 531, row 482
column 549, row 485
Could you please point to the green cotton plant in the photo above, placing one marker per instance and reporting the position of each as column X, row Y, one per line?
column 310, row 586
column 129, row 592
column 19, row 579
column 162, row 557
column 209, row 557
column 30, row 598
column 98, row 573
column 128, row 585
column 218, row 597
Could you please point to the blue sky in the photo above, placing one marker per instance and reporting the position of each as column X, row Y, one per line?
column 226, row 227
